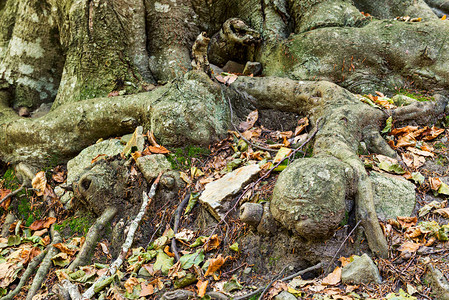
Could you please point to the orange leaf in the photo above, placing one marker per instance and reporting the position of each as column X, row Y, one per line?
column 167, row 251
column 250, row 121
column 215, row 264
column 443, row 17
column 407, row 222
column 146, row 290
column 136, row 155
column 158, row 149
column 130, row 284
column 435, row 183
column 64, row 248
column 433, row 133
column 202, row 286
column 40, row 224
column 213, row 243
column 333, row 278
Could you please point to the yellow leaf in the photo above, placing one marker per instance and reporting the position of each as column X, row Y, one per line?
column 202, row 286
column 39, row 182
column 215, row 264
column 443, row 18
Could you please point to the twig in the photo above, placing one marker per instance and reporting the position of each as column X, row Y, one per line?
column 271, row 282
column 176, row 225
column 90, row 292
column 339, row 248
column 13, row 193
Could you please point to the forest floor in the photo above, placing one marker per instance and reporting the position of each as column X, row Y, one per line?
column 211, row 257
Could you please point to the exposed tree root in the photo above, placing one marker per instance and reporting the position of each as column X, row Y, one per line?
column 92, row 237
column 178, row 213
column 13, row 193
column 46, row 264
column 90, row 292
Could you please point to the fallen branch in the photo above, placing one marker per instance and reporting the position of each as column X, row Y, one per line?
column 90, row 292
column 45, row 266
column 176, row 224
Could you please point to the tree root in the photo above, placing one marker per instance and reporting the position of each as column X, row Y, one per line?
column 178, row 213
column 92, row 236
column 46, row 264
column 90, row 292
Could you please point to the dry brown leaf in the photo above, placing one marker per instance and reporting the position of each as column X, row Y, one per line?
column 135, row 155
column 40, row 232
column 250, row 121
column 351, row 288
column 130, row 284
column 147, row 289
column 39, row 182
column 152, row 139
column 158, row 149
column 45, row 223
column 215, row 264
column 432, row 133
column 431, row 241
column 344, row 261
column 167, row 251
column 404, row 130
column 63, row 248
column 333, row 278
column 443, row 212
column 418, row 161
column 406, row 141
column 407, row 222
column 409, row 246
column 407, row 158
column 202, row 286
column 98, row 157
column 420, row 152
column 435, row 183
column 302, row 124
column 414, row 233
column 213, row 243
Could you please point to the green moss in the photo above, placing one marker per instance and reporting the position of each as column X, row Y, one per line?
column 181, row 158
column 9, row 180
column 417, row 95
column 26, row 212
column 78, row 225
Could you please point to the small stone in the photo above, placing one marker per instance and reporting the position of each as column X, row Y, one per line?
column 217, row 193
column 24, row 112
column 152, row 165
column 402, row 100
column 247, row 271
column 233, row 67
column 216, row 70
column 361, row 270
column 284, row 295
column 185, row 281
column 251, row 213
column 252, row 67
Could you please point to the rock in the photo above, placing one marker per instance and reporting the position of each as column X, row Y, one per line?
column 152, row 165
column 83, row 160
column 185, row 281
column 402, row 100
column 217, row 193
column 268, row 224
column 439, row 284
column 216, row 70
column 41, row 111
column 393, row 195
column 310, row 196
column 178, row 295
column 251, row 213
column 233, row 67
column 284, row 295
column 252, row 67
column 361, row 270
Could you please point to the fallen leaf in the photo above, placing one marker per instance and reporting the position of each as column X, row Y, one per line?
column 45, row 223
column 333, row 278
column 215, row 264
column 130, row 284
column 409, row 246
column 435, row 183
column 202, row 286
column 158, row 149
column 407, row 222
column 433, row 133
column 443, row 212
column 39, row 182
column 147, row 289
column 250, row 121
column 63, row 248
column 213, row 243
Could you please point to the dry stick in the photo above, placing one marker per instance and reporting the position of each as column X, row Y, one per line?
column 259, row 290
column 176, row 225
column 46, row 264
column 13, row 193
column 339, row 248
column 253, row 184
column 27, row 274
column 90, row 292
column 271, row 282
